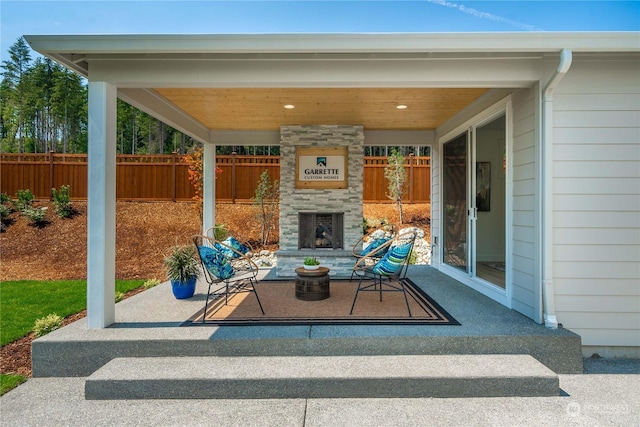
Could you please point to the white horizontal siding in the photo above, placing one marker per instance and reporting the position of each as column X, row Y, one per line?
column 523, row 218
column 598, row 287
column 603, row 320
column 597, row 202
column 593, row 185
column 610, row 102
column 599, row 136
column 596, row 236
column 622, row 168
column 603, row 253
column 598, row 119
column 596, row 270
column 613, row 336
column 596, row 304
column 606, row 151
column 612, row 218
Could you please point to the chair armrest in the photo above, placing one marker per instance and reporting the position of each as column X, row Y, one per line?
column 372, row 257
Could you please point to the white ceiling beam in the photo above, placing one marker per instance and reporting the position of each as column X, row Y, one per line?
column 153, row 104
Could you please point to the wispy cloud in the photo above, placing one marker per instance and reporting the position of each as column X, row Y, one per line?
column 485, row 15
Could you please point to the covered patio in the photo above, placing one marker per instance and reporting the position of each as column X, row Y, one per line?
column 401, row 89
column 151, row 324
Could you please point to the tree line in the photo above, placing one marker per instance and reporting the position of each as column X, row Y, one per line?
column 44, row 107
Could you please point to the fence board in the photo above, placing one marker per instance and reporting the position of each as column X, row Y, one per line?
column 166, row 177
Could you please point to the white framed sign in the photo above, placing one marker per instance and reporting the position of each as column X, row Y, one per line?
column 321, row 167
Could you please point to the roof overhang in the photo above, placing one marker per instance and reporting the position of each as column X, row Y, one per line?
column 202, row 83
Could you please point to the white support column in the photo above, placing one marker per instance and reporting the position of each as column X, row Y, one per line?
column 101, row 206
column 209, row 187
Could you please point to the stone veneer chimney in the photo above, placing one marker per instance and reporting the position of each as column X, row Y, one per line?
column 295, row 200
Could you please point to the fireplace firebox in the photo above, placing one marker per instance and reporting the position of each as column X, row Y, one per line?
column 320, row 230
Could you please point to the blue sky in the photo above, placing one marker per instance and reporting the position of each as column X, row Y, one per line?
column 22, row 17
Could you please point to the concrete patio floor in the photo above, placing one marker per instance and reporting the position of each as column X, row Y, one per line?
column 148, row 324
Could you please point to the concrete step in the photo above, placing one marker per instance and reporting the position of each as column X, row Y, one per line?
column 321, row 377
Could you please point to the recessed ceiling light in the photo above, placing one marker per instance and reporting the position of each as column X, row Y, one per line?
column 401, row 107
column 289, row 106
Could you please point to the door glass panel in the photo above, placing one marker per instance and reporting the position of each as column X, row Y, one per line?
column 455, row 202
column 490, row 199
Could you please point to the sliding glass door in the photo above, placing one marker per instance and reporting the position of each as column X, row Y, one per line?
column 489, row 231
column 455, row 202
column 474, row 201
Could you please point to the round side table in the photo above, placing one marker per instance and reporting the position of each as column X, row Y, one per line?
column 312, row 285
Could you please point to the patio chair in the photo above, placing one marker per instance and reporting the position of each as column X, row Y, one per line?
column 386, row 273
column 370, row 241
column 226, row 268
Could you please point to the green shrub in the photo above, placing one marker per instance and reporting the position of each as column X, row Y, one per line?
column 150, row 283
column 24, row 199
column 62, row 201
column 36, row 216
column 119, row 296
column 47, row 324
column 5, row 211
column 4, row 198
column 413, row 257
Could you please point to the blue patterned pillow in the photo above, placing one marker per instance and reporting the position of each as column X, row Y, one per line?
column 375, row 243
column 216, row 262
column 233, row 243
column 392, row 261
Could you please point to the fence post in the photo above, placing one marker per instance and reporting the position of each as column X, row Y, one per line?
column 51, row 153
column 233, row 177
column 411, row 155
column 173, row 173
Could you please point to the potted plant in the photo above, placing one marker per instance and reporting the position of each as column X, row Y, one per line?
column 183, row 269
column 311, row 263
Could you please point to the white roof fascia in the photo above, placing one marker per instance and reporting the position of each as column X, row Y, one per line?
column 339, row 42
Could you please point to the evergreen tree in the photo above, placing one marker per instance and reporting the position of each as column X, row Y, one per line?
column 396, row 174
column 14, row 70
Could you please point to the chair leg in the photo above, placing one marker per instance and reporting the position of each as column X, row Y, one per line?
column 206, row 304
column 255, row 292
column 356, row 297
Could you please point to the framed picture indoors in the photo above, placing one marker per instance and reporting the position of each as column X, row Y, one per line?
column 483, row 186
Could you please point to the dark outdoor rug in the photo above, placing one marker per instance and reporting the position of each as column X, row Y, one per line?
column 282, row 308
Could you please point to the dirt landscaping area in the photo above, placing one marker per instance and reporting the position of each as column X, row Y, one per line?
column 145, row 231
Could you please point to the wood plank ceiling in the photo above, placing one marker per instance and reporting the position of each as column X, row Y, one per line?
column 374, row 108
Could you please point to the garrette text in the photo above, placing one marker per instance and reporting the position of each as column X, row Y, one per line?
column 321, row 168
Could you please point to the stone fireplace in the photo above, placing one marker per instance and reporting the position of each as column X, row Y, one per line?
column 320, row 222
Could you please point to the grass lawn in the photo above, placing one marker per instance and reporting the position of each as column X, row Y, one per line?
column 8, row 382
column 24, row 301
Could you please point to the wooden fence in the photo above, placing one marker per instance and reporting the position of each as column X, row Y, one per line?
column 166, row 177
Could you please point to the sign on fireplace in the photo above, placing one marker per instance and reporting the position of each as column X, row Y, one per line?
column 321, row 167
